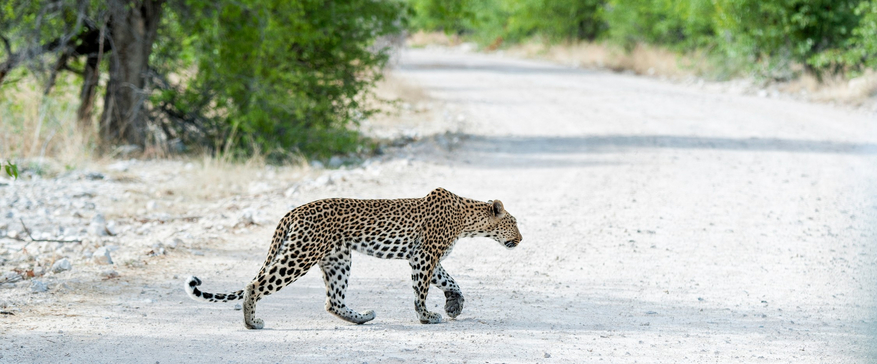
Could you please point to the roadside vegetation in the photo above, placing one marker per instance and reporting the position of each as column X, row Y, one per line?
column 282, row 79
column 772, row 40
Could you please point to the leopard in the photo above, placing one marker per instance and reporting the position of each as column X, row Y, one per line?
column 422, row 231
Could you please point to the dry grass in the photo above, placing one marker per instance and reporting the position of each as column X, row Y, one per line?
column 423, row 39
column 643, row 59
column 856, row 91
column 42, row 129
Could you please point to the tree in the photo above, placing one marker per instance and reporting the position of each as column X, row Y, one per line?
column 254, row 74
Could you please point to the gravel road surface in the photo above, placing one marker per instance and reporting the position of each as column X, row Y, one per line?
column 661, row 223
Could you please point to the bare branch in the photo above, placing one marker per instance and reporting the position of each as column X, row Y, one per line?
column 41, row 240
column 6, row 45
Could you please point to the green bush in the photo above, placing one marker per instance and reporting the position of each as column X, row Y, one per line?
column 778, row 33
column 274, row 74
column 860, row 49
column 770, row 38
column 682, row 25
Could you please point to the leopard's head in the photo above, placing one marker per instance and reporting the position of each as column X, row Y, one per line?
column 501, row 225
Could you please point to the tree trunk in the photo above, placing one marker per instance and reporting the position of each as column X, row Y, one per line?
column 86, row 95
column 133, row 27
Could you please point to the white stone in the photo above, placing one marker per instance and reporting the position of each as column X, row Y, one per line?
column 246, row 217
column 173, row 243
column 335, row 162
column 10, row 277
column 120, row 166
column 62, row 265
column 102, row 256
column 109, row 273
column 38, row 286
column 111, row 228
column 98, row 226
column 291, row 191
column 151, row 205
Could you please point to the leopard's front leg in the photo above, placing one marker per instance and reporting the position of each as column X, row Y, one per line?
column 453, row 296
column 422, row 266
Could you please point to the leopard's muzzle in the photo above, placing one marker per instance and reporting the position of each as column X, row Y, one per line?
column 510, row 244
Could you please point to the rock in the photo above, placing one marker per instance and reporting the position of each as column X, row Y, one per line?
column 324, row 180
column 10, row 277
column 238, row 307
column 102, row 256
column 173, row 243
column 291, row 191
column 151, row 205
column 62, row 265
column 125, row 150
column 547, row 355
column 111, row 228
column 38, row 286
column 94, row 176
column 109, row 273
column 335, row 162
column 120, row 166
column 98, row 226
column 246, row 217
column 7, row 285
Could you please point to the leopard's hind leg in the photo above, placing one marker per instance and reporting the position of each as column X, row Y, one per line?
column 281, row 273
column 336, row 269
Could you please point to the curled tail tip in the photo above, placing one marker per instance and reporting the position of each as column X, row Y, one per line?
column 193, row 281
column 193, row 292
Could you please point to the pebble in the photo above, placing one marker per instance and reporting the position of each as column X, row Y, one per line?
column 246, row 217
column 547, row 355
column 102, row 256
column 109, row 273
column 335, row 162
column 173, row 243
column 62, row 265
column 291, row 191
column 10, row 277
column 151, row 205
column 111, row 228
column 38, row 286
column 238, row 307
column 98, row 226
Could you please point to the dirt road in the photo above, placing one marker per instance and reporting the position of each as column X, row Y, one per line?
column 661, row 223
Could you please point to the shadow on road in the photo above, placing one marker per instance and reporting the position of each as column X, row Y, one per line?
column 551, row 151
column 612, row 143
column 490, row 67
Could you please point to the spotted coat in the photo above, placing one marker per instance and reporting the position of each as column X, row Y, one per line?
column 420, row 230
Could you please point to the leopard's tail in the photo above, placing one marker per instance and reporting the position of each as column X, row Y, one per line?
column 192, row 288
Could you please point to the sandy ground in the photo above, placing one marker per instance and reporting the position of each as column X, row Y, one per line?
column 661, row 223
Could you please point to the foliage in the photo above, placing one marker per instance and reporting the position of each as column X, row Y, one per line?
column 229, row 75
column 858, row 51
column 269, row 74
column 769, row 37
column 11, row 169
column 683, row 25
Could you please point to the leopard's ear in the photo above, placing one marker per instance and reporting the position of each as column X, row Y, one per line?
column 496, row 209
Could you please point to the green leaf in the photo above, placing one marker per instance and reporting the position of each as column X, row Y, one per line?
column 11, row 170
